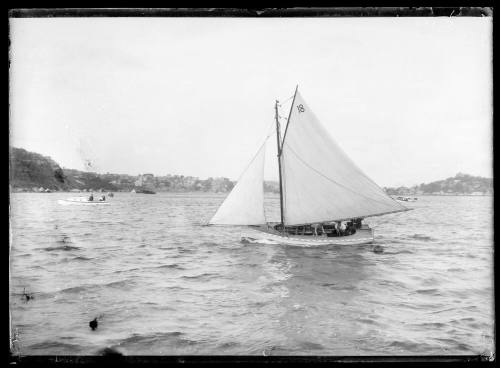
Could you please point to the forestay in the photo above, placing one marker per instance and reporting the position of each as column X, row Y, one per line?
column 245, row 203
column 320, row 183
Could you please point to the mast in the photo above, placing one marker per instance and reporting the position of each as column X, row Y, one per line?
column 280, row 147
column 290, row 113
column 278, row 139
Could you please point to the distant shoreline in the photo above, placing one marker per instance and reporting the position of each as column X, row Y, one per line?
column 125, row 191
column 33, row 173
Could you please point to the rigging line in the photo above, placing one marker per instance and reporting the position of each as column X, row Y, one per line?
column 350, row 218
column 283, row 108
column 289, row 115
column 254, row 157
column 381, row 192
column 288, row 99
column 329, row 179
column 271, row 129
column 369, row 179
column 283, row 185
column 298, row 202
column 355, row 166
column 357, row 169
column 271, row 133
column 239, row 178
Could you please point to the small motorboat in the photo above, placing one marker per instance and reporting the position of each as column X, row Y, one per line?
column 82, row 201
column 143, row 191
column 406, row 199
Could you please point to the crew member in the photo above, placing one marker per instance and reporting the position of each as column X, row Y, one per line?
column 315, row 229
column 342, row 227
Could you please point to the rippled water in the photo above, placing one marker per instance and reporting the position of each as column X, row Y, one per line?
column 161, row 284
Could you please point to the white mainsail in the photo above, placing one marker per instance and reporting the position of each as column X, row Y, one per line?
column 245, row 203
column 320, row 183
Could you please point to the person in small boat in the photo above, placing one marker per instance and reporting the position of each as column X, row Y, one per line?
column 350, row 228
column 342, row 228
column 337, row 226
column 357, row 223
column 315, row 229
column 91, row 197
column 335, row 229
column 102, row 198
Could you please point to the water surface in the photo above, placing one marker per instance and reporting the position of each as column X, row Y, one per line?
column 162, row 284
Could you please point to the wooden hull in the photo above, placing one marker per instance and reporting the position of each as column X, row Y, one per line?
column 265, row 235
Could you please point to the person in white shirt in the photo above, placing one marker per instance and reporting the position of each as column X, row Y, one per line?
column 315, row 229
column 335, row 228
column 342, row 227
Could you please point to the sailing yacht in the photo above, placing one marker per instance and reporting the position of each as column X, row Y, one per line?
column 320, row 187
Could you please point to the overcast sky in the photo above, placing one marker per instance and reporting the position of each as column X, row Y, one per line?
column 408, row 99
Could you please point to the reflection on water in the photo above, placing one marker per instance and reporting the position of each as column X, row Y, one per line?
column 160, row 283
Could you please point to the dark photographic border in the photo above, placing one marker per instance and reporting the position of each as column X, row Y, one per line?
column 112, row 356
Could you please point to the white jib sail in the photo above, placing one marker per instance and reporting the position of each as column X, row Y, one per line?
column 245, row 203
column 320, row 183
